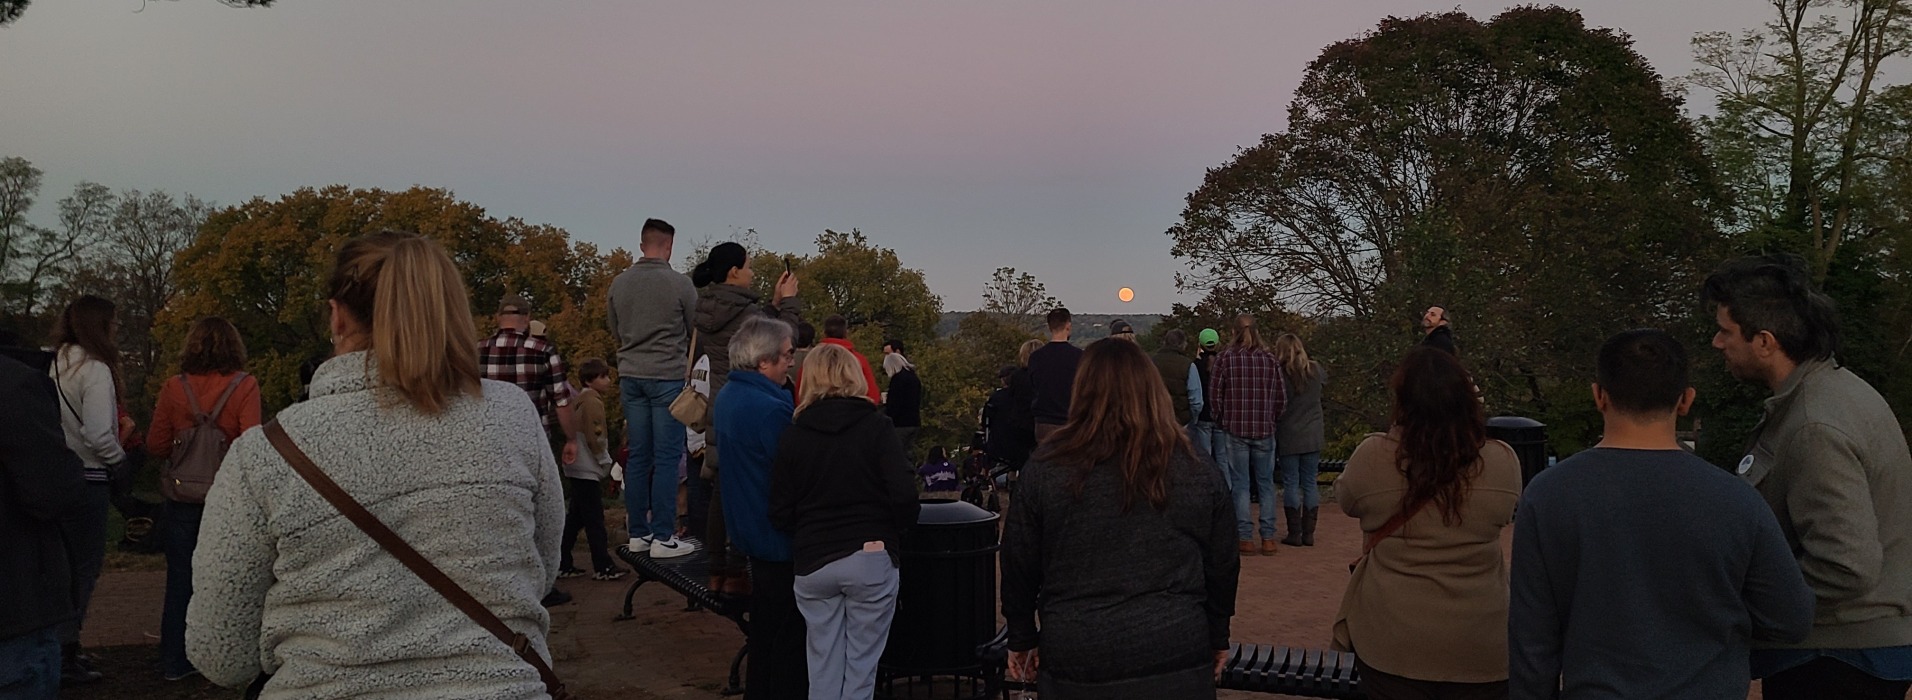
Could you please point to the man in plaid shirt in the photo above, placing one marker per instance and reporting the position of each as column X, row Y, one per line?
column 1248, row 395
column 514, row 355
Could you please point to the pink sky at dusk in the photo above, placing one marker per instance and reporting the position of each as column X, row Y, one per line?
column 1056, row 137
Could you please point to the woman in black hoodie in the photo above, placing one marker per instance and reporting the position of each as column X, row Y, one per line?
column 842, row 488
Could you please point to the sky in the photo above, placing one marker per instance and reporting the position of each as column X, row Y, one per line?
column 1056, row 137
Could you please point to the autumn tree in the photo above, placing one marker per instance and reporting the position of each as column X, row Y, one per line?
column 1017, row 297
column 1501, row 169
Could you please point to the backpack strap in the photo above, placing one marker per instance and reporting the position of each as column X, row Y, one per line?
column 220, row 408
column 192, row 401
column 392, row 543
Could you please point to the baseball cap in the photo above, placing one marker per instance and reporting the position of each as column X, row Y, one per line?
column 537, row 329
column 1119, row 326
column 514, row 303
column 1210, row 338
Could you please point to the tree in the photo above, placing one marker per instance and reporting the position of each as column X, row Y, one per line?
column 1017, row 296
column 1500, row 169
column 262, row 265
column 34, row 260
column 1794, row 112
column 11, row 10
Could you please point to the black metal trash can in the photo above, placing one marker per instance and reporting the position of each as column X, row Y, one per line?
column 946, row 599
column 1527, row 436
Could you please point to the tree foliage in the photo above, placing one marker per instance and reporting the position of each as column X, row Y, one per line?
column 1017, row 297
column 10, row 10
column 1500, row 169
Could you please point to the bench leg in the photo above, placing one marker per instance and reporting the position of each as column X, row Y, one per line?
column 736, row 686
column 628, row 594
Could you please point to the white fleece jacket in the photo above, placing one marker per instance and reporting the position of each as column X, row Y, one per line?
column 89, row 410
column 285, row 585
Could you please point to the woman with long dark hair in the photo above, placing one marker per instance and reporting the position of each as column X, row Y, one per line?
column 86, row 371
column 724, row 301
column 1151, row 622
column 1426, row 608
column 211, row 392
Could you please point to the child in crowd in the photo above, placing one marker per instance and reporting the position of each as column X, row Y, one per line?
column 939, row 476
column 582, row 477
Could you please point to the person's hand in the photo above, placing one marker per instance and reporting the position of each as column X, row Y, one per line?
column 125, row 429
column 1221, row 661
column 786, row 286
column 1023, row 665
column 571, row 452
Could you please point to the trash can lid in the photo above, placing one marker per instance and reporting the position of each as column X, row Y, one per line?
column 1514, row 422
column 943, row 511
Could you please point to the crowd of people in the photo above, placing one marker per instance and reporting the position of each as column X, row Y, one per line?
column 1637, row 569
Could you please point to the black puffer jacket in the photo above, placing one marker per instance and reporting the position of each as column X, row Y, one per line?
column 840, row 479
column 40, row 485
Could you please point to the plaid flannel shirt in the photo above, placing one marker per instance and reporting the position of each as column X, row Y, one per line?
column 1247, row 392
column 532, row 364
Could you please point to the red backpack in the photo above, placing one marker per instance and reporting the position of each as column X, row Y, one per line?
column 197, row 450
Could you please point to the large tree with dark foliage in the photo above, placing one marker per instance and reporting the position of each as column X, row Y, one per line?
column 1530, row 173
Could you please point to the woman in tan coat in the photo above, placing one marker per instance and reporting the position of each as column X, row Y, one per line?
column 1426, row 608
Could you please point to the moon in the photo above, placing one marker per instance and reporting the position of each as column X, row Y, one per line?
column 1125, row 294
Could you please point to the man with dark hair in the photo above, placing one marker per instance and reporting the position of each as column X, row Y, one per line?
column 651, row 310
column 836, row 331
column 1052, row 370
column 1439, row 334
column 1620, row 591
column 892, row 346
column 40, row 488
column 1183, row 381
column 1831, row 461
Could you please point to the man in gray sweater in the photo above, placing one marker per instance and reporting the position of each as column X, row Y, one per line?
column 1621, row 590
column 651, row 311
column 1831, row 461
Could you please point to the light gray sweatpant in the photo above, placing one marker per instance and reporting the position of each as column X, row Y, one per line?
column 847, row 606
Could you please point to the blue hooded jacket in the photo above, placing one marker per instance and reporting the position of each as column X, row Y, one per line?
column 752, row 414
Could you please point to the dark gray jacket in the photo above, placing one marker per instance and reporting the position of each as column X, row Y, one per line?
column 651, row 311
column 1831, row 461
column 1300, row 430
column 721, row 310
column 40, row 485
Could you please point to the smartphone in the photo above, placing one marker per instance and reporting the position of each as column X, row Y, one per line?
column 788, row 263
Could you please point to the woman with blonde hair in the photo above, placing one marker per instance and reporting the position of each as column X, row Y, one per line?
column 211, row 391
column 1298, row 439
column 842, row 487
column 1426, row 607
column 1152, row 622
column 294, row 598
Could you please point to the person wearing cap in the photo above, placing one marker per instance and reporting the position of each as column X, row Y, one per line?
column 537, row 329
column 514, row 356
column 1121, row 329
column 1207, row 437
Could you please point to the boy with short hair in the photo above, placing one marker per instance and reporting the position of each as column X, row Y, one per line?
column 583, row 475
column 1639, row 570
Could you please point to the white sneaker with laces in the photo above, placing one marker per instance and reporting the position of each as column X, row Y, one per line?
column 639, row 545
column 673, row 547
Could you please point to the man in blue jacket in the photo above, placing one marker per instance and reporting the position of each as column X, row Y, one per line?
column 752, row 411
column 40, row 486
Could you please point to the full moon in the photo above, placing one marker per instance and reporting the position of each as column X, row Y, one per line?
column 1125, row 294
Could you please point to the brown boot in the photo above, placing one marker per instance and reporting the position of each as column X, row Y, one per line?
column 1293, row 517
column 1308, row 526
column 1246, row 547
column 1269, row 547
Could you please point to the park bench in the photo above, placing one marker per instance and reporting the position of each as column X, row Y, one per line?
column 689, row 575
column 1279, row 670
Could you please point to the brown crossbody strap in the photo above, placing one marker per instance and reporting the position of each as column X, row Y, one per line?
column 1387, row 530
column 430, row 574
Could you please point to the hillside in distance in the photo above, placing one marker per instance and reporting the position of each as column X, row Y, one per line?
column 1088, row 327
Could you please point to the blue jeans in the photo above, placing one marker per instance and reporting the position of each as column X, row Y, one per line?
column 656, row 444
column 1213, row 444
column 1252, row 459
column 30, row 665
column 1298, row 476
column 180, row 530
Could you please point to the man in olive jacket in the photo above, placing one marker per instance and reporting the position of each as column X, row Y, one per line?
column 1831, row 461
column 40, row 486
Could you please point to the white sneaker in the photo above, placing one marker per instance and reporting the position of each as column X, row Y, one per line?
column 673, row 547
column 640, row 544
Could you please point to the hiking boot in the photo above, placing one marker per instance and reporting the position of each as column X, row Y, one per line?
column 1293, row 516
column 673, row 547
column 1269, row 547
column 1246, row 547
column 1308, row 526
column 611, row 574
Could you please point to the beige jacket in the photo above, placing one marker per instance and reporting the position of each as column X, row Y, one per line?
column 1430, row 603
column 1831, row 460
